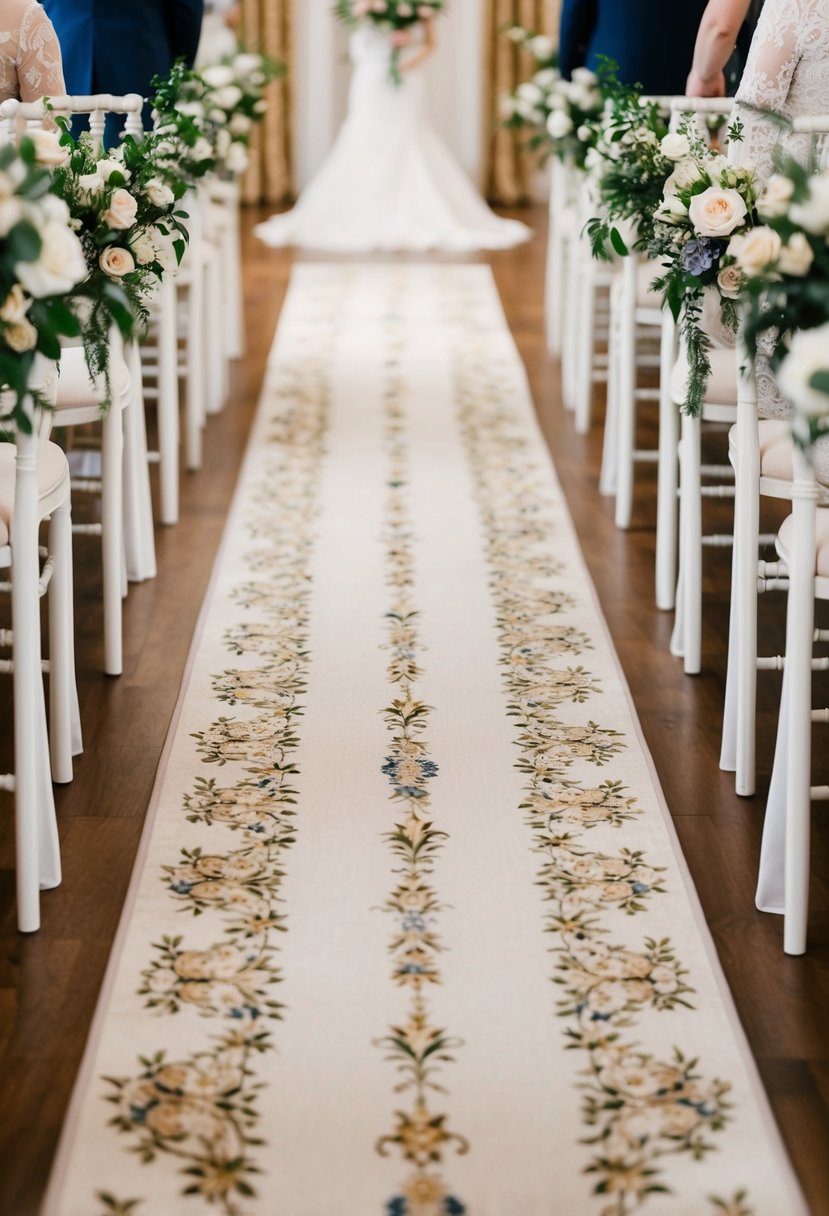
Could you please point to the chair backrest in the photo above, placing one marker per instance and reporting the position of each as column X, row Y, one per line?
column 16, row 116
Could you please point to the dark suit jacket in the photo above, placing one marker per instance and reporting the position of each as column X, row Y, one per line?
column 651, row 40
column 118, row 46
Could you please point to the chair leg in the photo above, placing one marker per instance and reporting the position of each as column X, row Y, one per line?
column 746, row 540
column 585, row 350
column 799, row 635
column 62, row 689
column 626, row 399
column 668, row 477
column 194, row 399
column 233, row 281
column 728, row 743
column 216, row 387
column 139, row 541
column 112, row 508
column 168, row 421
column 691, row 486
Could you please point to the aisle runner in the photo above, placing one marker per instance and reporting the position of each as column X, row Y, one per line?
column 411, row 936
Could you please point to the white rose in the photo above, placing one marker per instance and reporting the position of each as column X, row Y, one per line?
column 11, row 213
column 671, row 210
column 675, row 146
column 541, row 47
column 729, row 281
column 239, row 124
column 757, row 250
column 717, row 212
column 122, row 210
column 223, row 142
column 530, row 92
column 116, row 261
column 218, row 75
column 143, row 248
column 89, row 185
column 686, row 172
column 244, row 64
column 796, row 256
column 559, row 124
column 106, row 168
column 15, row 306
column 21, row 335
column 260, row 107
column 775, row 199
column 228, row 97
column 165, row 254
column 190, row 109
column 236, row 160
column 584, row 76
column 48, row 150
column 716, row 166
column 546, row 78
column 58, row 268
column 813, row 213
column 808, row 353
column 159, row 194
column 201, row 150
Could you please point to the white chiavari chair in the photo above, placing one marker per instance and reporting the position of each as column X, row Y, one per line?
column 35, row 487
column 126, row 526
column 762, row 453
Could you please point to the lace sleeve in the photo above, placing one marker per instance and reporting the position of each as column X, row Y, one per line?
column 766, row 83
column 39, row 66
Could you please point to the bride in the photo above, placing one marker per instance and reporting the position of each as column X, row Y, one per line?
column 389, row 183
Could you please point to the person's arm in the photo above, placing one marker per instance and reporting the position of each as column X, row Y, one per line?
column 578, row 20
column 717, row 37
column 184, row 19
column 39, row 65
column 428, row 46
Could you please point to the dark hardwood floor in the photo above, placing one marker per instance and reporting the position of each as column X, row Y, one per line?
column 49, row 982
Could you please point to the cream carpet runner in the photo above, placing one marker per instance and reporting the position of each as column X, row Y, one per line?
column 410, row 934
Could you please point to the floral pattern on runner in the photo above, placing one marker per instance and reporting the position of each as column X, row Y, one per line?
column 638, row 1110
column 418, row 1049
column 202, row 1109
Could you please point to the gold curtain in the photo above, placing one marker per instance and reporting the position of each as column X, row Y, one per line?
column 267, row 27
column 509, row 167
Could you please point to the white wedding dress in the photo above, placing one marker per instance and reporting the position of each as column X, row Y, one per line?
column 389, row 182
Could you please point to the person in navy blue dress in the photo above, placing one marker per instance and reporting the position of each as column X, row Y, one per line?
column 118, row 46
column 652, row 41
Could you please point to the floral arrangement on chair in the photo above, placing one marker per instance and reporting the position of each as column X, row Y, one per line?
column 398, row 18
column 783, row 265
column 41, row 265
column 706, row 210
column 527, row 107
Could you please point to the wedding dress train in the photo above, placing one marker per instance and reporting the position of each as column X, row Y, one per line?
column 389, row 183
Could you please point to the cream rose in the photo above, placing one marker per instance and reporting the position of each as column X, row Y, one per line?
column 244, row 64
column 59, row 267
column 808, row 353
column 228, row 97
column 541, row 47
column 159, row 194
column 236, row 160
column 48, row 149
column 143, row 249
column 21, row 335
column 796, row 256
column 776, row 197
column 675, row 146
column 756, row 250
column 219, row 75
column 717, row 212
column 122, row 210
column 15, row 306
column 729, row 281
column 106, row 168
column 239, row 124
column 116, row 262
column 813, row 213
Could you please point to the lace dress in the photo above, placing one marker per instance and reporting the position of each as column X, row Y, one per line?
column 30, row 60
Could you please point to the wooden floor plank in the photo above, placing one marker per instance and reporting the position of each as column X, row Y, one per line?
column 49, row 982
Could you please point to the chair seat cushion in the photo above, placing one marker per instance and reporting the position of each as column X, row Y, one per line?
column 52, row 469
column 722, row 387
column 786, row 536
column 776, row 451
column 76, row 389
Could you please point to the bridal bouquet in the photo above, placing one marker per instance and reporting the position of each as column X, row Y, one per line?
column 783, row 265
column 396, row 17
column 706, row 209
column 41, row 265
